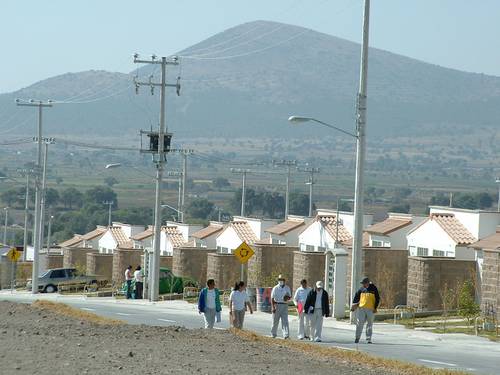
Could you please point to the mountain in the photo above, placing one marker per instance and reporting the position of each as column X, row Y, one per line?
column 294, row 71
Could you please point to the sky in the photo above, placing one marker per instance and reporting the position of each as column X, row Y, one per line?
column 41, row 39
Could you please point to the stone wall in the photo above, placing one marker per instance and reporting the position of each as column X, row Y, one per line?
column 101, row 265
column 427, row 276
column 166, row 261
column 191, row 262
column 309, row 266
column 224, row 269
column 49, row 261
column 76, row 257
column 122, row 258
column 490, row 286
column 269, row 261
column 22, row 272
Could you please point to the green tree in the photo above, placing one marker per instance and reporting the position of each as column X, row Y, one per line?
column 252, row 201
column 110, row 181
column 439, row 200
column 71, row 197
column 299, row 204
column 100, row 194
column 11, row 197
column 273, row 204
column 403, row 208
column 221, row 182
column 467, row 306
column 199, row 208
column 51, row 197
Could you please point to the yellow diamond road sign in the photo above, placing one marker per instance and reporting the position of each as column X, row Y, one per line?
column 243, row 252
column 14, row 254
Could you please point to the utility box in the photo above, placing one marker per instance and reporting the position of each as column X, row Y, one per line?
column 150, row 145
column 336, row 280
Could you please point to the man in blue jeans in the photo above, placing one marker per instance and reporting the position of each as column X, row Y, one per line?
column 128, row 280
column 209, row 303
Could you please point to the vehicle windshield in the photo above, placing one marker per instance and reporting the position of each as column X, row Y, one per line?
column 46, row 273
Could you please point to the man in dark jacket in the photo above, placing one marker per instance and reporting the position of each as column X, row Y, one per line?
column 317, row 306
column 366, row 302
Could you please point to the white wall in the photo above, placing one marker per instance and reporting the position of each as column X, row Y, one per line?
column 317, row 236
column 430, row 235
column 465, row 253
column 166, row 247
column 227, row 241
column 186, row 229
column 107, row 243
column 385, row 240
column 348, row 221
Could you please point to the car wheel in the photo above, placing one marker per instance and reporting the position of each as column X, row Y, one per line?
column 50, row 289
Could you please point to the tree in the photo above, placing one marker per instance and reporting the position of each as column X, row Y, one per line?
column 273, row 204
column 71, row 197
column 59, row 180
column 467, row 306
column 199, row 208
column 466, row 200
column 110, row 181
column 11, row 197
column 100, row 194
column 439, row 200
column 400, row 208
column 51, row 197
column 448, row 298
column 484, row 200
column 252, row 201
column 299, row 204
column 221, row 182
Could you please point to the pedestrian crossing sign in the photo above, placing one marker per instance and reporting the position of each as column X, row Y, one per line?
column 14, row 254
column 243, row 252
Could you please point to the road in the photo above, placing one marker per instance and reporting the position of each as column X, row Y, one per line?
column 452, row 351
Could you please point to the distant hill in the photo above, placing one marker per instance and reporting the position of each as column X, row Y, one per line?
column 305, row 72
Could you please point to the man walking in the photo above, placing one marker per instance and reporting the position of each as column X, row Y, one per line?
column 366, row 303
column 300, row 300
column 209, row 303
column 128, row 280
column 280, row 296
column 317, row 306
column 138, row 278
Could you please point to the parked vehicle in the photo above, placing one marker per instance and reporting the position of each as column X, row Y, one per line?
column 169, row 283
column 50, row 280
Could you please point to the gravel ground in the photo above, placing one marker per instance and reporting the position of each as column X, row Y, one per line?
column 34, row 341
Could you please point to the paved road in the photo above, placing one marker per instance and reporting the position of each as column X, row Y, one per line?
column 454, row 352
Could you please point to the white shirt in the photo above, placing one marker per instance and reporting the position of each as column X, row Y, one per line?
column 210, row 299
column 138, row 276
column 279, row 292
column 317, row 304
column 238, row 299
column 128, row 274
column 301, row 295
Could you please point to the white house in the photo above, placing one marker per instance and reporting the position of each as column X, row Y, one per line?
column 320, row 234
column 114, row 238
column 143, row 240
column 171, row 237
column 391, row 232
column 187, row 230
column 90, row 239
column 207, row 237
column 242, row 229
column 287, row 232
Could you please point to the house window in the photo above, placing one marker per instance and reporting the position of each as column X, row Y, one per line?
column 377, row 243
column 321, row 249
column 412, row 250
column 422, row 251
column 438, row 253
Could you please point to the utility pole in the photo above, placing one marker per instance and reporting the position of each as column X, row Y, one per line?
column 184, row 154
column 289, row 164
column 47, row 142
column 110, row 205
column 49, row 233
column 179, row 176
column 26, row 211
column 36, row 237
column 497, row 180
column 154, row 275
column 6, row 209
column 243, row 172
column 357, row 248
column 311, row 182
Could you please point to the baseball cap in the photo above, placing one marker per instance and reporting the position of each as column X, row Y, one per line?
column 365, row 280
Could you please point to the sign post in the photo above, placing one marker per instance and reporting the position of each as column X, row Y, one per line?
column 14, row 254
column 243, row 253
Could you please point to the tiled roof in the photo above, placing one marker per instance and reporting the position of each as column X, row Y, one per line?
column 244, row 231
column 453, row 227
column 389, row 225
column 143, row 235
column 285, row 227
column 491, row 242
column 208, row 231
column 330, row 224
column 366, row 240
column 72, row 242
column 120, row 237
column 99, row 231
column 175, row 236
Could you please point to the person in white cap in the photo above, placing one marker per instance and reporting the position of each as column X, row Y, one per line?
column 299, row 299
column 280, row 296
column 317, row 306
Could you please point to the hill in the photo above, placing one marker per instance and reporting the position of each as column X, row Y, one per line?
column 295, row 71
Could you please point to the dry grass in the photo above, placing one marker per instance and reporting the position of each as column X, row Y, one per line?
column 63, row 309
column 363, row 359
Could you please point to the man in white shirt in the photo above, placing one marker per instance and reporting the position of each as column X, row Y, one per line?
column 128, row 280
column 138, row 277
column 304, row 319
column 317, row 306
column 280, row 296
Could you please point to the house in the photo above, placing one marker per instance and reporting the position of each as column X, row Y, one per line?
column 75, row 241
column 91, row 239
column 242, row 229
column 287, row 232
column 320, row 234
column 171, row 237
column 448, row 232
column 391, row 232
column 187, row 230
column 118, row 236
column 207, row 237
column 143, row 240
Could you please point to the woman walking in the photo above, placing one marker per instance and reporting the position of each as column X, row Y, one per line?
column 238, row 301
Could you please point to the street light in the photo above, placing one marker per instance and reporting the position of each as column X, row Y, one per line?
column 172, row 208
column 302, row 119
column 6, row 209
column 497, row 180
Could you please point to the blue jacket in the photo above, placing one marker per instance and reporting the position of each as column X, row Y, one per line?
column 202, row 300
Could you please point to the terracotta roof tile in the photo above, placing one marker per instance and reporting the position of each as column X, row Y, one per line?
column 120, row 237
column 174, row 235
column 285, row 227
column 366, row 240
column 454, row 228
column 143, row 235
column 99, row 231
column 244, row 231
column 72, row 242
column 208, row 231
column 491, row 242
column 387, row 226
column 330, row 224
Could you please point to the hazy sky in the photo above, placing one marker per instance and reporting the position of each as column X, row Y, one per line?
column 41, row 39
